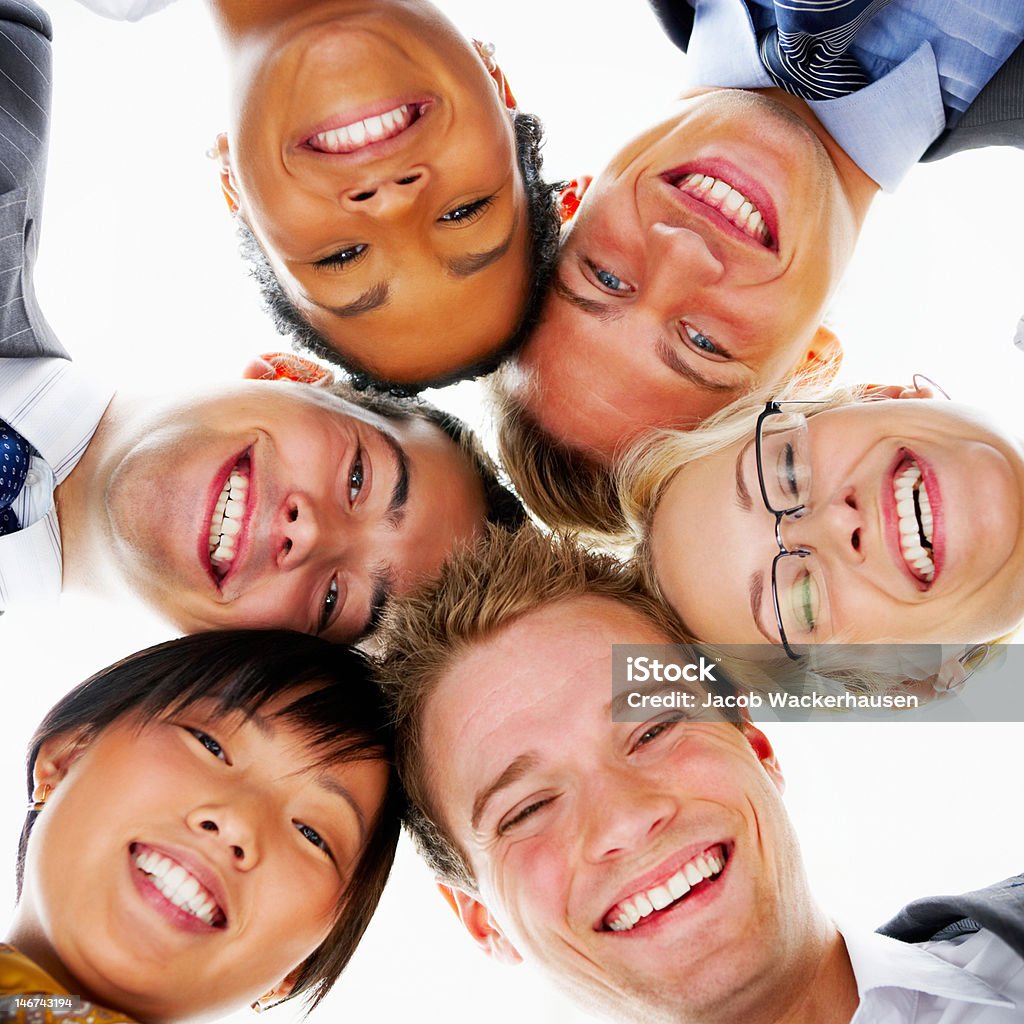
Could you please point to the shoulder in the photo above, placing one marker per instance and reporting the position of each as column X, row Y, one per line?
column 28, row 14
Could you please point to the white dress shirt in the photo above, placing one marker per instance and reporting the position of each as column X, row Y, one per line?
column 56, row 407
column 974, row 978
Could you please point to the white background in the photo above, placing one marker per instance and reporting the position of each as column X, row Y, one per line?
column 139, row 277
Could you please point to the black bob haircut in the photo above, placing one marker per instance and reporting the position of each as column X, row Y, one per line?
column 241, row 671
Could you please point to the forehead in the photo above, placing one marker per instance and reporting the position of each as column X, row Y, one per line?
column 529, row 682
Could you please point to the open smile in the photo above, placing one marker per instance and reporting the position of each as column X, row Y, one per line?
column 916, row 519
column 229, row 517
column 356, row 134
column 647, row 904
column 176, row 890
column 723, row 194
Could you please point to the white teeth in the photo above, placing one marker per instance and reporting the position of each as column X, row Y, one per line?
column 730, row 202
column 177, row 885
column 227, row 517
column 914, row 521
column 630, row 911
column 351, row 137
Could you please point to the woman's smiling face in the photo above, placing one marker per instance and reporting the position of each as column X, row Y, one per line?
column 215, row 848
column 713, row 540
column 374, row 158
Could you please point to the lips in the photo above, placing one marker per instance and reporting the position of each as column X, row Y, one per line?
column 673, row 886
column 228, row 518
column 179, row 886
column 730, row 198
column 354, row 134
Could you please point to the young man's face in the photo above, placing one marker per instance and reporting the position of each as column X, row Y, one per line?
column 330, row 508
column 698, row 265
column 375, row 161
column 572, row 823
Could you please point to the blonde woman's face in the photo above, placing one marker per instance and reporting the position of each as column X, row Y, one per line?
column 713, row 541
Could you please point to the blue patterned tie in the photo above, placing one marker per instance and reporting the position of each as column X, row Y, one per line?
column 14, row 456
column 806, row 54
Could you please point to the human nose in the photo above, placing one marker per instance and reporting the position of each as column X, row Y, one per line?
column 678, row 258
column 386, row 195
column 301, row 525
column 833, row 528
column 232, row 829
column 623, row 816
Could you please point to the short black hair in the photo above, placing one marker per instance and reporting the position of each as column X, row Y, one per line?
column 543, row 227
column 345, row 719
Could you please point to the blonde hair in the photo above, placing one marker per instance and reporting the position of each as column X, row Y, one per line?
column 479, row 592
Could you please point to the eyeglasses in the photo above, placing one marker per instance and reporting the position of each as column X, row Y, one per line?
column 799, row 594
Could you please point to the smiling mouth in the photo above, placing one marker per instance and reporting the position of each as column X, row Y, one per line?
column 350, row 138
column 727, row 200
column 228, row 517
column 914, row 519
column 178, row 886
column 695, row 874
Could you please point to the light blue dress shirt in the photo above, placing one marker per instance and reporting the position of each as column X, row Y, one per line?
column 928, row 61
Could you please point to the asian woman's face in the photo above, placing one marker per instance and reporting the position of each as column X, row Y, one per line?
column 915, row 529
column 185, row 866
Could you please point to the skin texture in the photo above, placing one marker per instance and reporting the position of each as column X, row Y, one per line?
column 237, row 799
column 595, row 806
column 416, row 212
column 977, row 493
column 323, row 539
column 643, row 264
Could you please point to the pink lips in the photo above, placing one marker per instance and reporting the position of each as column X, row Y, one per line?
column 726, row 171
column 174, row 914
column 418, row 108
column 204, row 533
column 892, row 534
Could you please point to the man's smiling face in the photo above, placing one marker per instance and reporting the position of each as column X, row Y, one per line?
column 699, row 265
column 271, row 504
column 651, row 868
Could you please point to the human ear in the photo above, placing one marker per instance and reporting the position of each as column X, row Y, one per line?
column 485, row 51
column 222, row 154
column 823, row 357
column 280, row 992
column 765, row 752
column 286, row 366
column 55, row 758
column 571, row 196
column 480, row 925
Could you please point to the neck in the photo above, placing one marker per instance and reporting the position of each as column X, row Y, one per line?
column 28, row 936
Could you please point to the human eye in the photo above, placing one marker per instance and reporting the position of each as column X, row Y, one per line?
column 467, row 212
column 652, row 730
column 356, row 476
column 311, row 835
column 788, row 478
column 805, row 600
column 330, row 604
column 208, row 742
column 520, row 814
column 608, row 281
column 342, row 258
column 701, row 343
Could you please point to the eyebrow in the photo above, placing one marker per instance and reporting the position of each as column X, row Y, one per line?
column 668, row 355
column 515, row 771
column 332, row 785
column 756, row 593
column 373, row 298
column 395, row 512
column 742, row 494
column 382, row 580
column 472, row 263
column 599, row 310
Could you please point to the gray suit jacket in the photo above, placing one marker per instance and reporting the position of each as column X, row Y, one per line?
column 995, row 118
column 24, row 126
column 999, row 908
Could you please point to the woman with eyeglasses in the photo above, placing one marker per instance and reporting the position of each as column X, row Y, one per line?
column 843, row 521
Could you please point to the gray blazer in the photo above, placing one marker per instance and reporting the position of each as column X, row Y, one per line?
column 995, row 118
column 24, row 125
column 999, row 908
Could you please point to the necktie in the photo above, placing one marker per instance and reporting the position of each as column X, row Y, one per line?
column 14, row 456
column 806, row 53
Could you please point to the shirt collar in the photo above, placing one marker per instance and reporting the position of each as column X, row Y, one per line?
column 884, row 127
column 882, row 962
